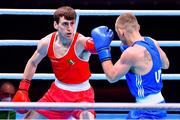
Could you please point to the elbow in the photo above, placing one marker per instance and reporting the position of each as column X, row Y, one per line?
column 113, row 77
column 111, row 80
column 165, row 66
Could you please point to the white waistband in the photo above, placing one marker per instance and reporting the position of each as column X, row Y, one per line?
column 73, row 87
column 152, row 98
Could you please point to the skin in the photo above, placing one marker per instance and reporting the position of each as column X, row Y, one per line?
column 135, row 58
column 63, row 41
column 64, row 38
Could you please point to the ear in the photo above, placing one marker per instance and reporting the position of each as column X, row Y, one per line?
column 56, row 25
column 139, row 27
column 118, row 30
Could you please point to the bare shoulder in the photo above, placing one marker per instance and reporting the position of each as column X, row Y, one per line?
column 155, row 42
column 132, row 51
column 133, row 54
column 45, row 40
column 43, row 44
column 82, row 38
column 129, row 54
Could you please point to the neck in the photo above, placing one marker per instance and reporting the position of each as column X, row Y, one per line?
column 64, row 41
column 134, row 37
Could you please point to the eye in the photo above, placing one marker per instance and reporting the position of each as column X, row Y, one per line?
column 72, row 23
column 65, row 24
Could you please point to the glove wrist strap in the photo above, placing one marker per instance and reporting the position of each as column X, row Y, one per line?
column 104, row 55
column 24, row 84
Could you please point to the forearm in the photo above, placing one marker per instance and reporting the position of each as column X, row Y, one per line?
column 110, row 71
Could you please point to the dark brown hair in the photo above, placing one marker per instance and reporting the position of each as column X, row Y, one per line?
column 66, row 11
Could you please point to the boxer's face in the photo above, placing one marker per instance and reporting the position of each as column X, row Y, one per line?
column 65, row 27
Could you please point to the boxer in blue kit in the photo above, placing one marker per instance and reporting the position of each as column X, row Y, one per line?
column 141, row 62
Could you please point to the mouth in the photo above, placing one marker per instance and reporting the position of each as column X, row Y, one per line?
column 69, row 34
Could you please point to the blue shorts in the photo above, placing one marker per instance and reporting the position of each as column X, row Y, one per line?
column 147, row 114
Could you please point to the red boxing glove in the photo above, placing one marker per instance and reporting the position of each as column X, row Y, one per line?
column 22, row 94
column 89, row 46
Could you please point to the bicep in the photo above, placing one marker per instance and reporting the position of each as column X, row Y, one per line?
column 39, row 54
column 122, row 66
column 118, row 70
column 36, row 58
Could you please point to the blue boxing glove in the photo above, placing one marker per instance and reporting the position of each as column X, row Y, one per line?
column 102, row 37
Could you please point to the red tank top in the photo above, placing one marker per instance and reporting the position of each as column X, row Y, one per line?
column 69, row 68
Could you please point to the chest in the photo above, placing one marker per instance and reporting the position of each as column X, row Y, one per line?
column 61, row 50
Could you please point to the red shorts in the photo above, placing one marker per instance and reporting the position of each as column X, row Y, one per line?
column 55, row 94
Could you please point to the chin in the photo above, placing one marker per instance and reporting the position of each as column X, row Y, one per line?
column 69, row 38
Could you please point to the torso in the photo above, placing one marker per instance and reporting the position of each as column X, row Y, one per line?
column 144, row 78
column 69, row 60
column 60, row 50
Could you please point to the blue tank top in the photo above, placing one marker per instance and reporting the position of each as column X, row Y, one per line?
column 150, row 83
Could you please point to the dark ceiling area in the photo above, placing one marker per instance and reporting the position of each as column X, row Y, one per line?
column 92, row 4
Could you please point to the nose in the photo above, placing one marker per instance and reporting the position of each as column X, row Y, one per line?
column 69, row 26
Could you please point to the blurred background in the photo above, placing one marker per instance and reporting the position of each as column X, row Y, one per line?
column 13, row 59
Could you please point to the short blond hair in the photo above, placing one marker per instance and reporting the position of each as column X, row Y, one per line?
column 127, row 21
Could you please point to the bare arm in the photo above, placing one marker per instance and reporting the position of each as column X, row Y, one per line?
column 119, row 69
column 164, row 58
column 87, row 43
column 33, row 62
column 22, row 94
column 82, row 39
